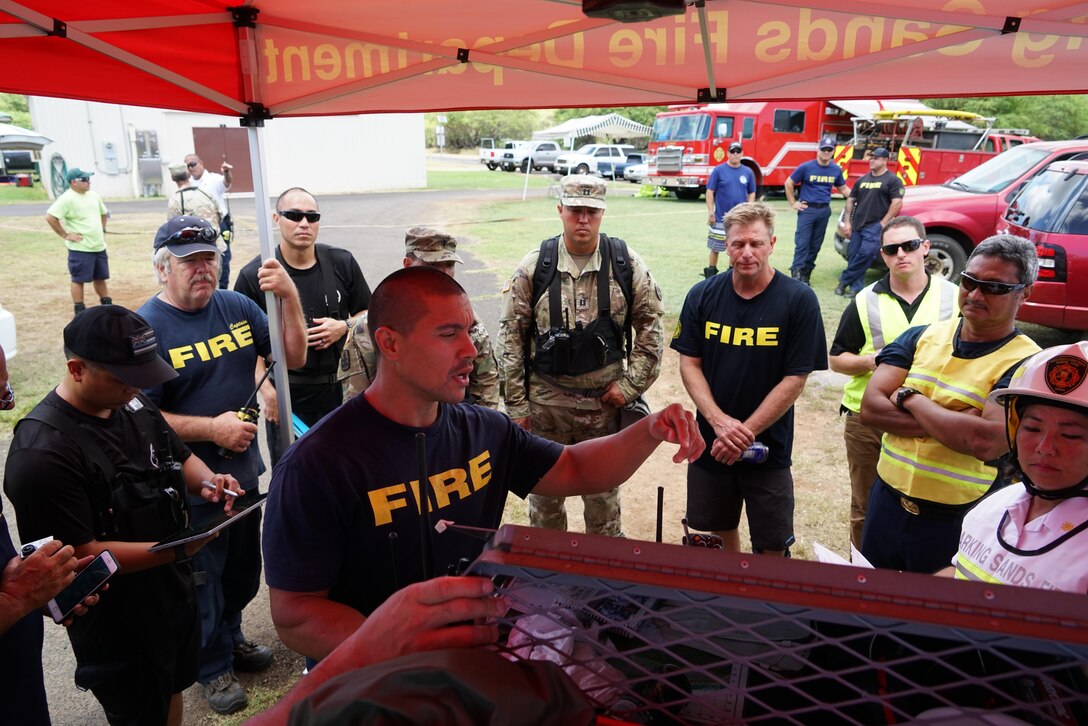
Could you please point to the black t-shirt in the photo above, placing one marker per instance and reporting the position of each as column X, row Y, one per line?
column 53, row 487
column 341, row 513
column 748, row 346
column 352, row 296
column 873, row 196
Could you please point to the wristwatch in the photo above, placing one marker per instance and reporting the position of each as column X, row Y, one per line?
column 903, row 394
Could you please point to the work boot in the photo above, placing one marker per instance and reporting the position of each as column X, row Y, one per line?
column 106, row 300
column 840, row 290
column 225, row 694
column 804, row 277
column 795, row 273
column 709, row 272
column 80, row 307
column 250, row 657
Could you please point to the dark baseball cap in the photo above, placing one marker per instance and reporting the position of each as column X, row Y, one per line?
column 735, row 146
column 76, row 173
column 120, row 341
column 827, row 142
column 880, row 152
column 186, row 235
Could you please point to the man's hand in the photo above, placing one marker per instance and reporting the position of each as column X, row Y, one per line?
column 325, row 332
column 799, row 206
column 710, row 219
column 526, row 423
column 73, row 236
column 225, row 167
column 430, row 615
column 613, row 396
column 232, row 433
column 273, row 278
column 732, row 437
column 222, row 482
column 676, row 425
column 270, row 405
column 33, row 582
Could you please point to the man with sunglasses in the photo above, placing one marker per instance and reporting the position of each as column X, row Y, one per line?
column 929, row 395
column 875, row 199
column 79, row 218
column 213, row 339
column 216, row 186
column 907, row 295
column 333, row 292
column 817, row 177
column 729, row 184
column 575, row 352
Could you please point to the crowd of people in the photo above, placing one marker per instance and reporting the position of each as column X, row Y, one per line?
column 950, row 412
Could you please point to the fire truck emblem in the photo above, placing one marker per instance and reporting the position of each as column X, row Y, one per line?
column 719, row 154
column 910, row 158
column 1064, row 373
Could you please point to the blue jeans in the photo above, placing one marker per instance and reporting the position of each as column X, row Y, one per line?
column 894, row 539
column 809, row 238
column 228, row 572
column 864, row 247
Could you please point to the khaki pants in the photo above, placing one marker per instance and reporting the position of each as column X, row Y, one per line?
column 570, row 426
column 862, row 454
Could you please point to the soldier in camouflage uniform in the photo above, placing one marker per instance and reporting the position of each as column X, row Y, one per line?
column 358, row 364
column 585, row 402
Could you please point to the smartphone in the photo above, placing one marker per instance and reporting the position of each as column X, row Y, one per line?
column 89, row 581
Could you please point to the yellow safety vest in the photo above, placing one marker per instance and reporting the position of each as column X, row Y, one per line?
column 922, row 467
column 882, row 319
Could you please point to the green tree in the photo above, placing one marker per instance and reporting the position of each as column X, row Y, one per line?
column 464, row 129
column 1048, row 117
column 642, row 114
column 16, row 106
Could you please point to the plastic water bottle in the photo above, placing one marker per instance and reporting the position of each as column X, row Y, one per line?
column 757, row 453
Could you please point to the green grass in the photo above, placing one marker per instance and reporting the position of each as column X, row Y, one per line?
column 16, row 195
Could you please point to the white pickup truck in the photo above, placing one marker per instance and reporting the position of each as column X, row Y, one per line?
column 489, row 154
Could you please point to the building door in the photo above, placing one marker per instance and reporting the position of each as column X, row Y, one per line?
column 215, row 145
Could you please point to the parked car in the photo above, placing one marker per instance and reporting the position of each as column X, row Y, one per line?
column 636, row 173
column 489, row 153
column 589, row 158
column 543, row 154
column 1052, row 212
column 964, row 211
column 619, row 167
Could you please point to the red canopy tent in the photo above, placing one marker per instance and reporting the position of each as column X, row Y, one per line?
column 264, row 58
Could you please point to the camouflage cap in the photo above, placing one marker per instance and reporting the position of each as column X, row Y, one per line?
column 431, row 245
column 583, row 190
column 177, row 169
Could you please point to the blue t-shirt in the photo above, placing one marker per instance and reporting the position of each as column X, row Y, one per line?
column 214, row 350
column 342, row 513
column 817, row 181
column 747, row 347
column 731, row 186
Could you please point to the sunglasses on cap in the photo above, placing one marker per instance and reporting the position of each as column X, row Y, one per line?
column 297, row 216
column 970, row 284
column 191, row 164
column 194, row 234
column 909, row 246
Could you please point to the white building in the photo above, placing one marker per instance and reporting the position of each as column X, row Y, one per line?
column 129, row 147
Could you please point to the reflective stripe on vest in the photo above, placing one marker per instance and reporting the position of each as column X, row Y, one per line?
column 968, row 570
column 922, row 467
column 883, row 319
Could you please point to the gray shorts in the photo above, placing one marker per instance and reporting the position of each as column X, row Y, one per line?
column 715, row 237
column 716, row 498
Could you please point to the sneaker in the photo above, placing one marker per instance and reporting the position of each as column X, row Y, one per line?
column 250, row 657
column 840, row 290
column 710, row 271
column 225, row 694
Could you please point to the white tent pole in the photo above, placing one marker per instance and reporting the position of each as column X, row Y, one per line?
column 272, row 304
column 700, row 7
column 528, row 171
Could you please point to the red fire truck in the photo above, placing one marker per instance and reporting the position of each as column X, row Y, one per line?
column 928, row 147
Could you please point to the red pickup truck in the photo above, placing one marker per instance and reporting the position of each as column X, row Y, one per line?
column 964, row 211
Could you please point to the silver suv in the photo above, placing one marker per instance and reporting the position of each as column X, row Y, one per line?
column 593, row 159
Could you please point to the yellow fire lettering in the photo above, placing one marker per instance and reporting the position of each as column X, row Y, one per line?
column 1026, row 50
column 807, row 28
column 775, row 34
column 178, row 356
column 453, row 480
column 327, row 63
column 300, row 53
column 479, row 470
column 221, row 344
column 625, row 49
column 384, row 501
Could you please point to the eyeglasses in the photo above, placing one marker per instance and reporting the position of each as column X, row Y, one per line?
column 827, row 148
column 297, row 216
column 191, row 164
column 970, row 284
column 736, row 151
column 193, row 234
column 82, row 179
column 909, row 246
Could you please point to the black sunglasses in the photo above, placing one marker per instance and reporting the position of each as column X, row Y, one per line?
column 193, row 234
column 909, row 246
column 297, row 216
column 82, row 179
column 191, row 164
column 970, row 284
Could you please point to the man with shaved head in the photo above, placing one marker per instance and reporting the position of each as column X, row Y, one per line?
column 342, row 528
